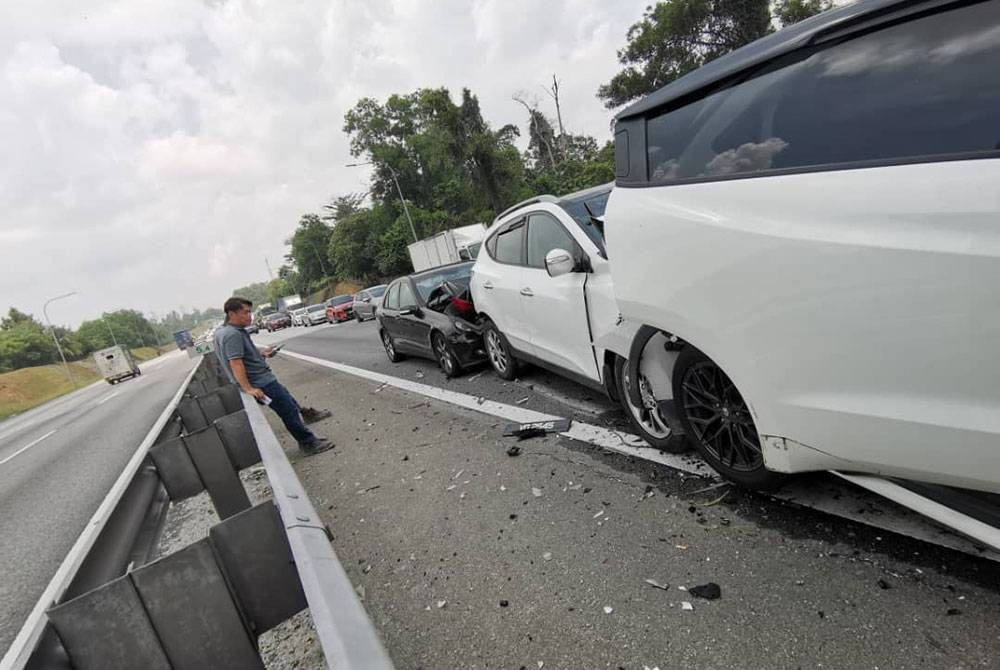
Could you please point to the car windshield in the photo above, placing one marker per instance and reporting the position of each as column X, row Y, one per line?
column 377, row 291
column 429, row 281
column 317, row 308
column 340, row 300
column 585, row 210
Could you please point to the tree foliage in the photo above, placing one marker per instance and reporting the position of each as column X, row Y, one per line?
column 677, row 36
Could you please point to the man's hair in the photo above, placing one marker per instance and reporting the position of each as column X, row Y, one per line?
column 235, row 305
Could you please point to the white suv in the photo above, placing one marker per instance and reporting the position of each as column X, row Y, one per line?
column 543, row 287
column 815, row 221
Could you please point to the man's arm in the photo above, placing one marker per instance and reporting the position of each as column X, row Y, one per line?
column 240, row 372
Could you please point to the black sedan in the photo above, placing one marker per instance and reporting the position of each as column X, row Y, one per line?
column 430, row 314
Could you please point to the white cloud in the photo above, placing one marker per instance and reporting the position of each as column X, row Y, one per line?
column 157, row 151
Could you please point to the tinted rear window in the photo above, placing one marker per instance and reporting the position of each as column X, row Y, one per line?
column 927, row 87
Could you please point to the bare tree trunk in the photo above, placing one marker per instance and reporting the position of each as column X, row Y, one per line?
column 554, row 92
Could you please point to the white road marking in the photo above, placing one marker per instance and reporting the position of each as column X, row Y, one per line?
column 849, row 504
column 26, row 447
column 107, row 397
column 615, row 440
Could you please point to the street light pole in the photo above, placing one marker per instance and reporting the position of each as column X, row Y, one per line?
column 398, row 190
column 55, row 339
column 113, row 338
column 319, row 257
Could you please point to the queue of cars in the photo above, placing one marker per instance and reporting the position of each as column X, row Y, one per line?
column 800, row 264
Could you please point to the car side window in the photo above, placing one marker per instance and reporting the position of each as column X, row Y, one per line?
column 392, row 297
column 509, row 245
column 926, row 87
column 545, row 233
column 406, row 298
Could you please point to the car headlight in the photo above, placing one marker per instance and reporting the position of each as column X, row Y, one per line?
column 463, row 327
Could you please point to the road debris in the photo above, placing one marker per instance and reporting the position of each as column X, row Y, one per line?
column 536, row 428
column 884, row 585
column 522, row 401
column 547, row 556
column 537, row 492
column 709, row 591
column 380, row 388
column 713, row 502
column 599, row 514
column 441, row 604
column 370, row 488
column 657, row 585
column 608, row 610
column 419, row 375
column 686, row 606
column 513, row 450
column 504, row 603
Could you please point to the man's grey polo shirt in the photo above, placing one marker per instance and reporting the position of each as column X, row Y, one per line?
column 234, row 342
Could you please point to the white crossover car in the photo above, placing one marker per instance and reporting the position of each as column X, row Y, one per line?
column 812, row 225
column 543, row 286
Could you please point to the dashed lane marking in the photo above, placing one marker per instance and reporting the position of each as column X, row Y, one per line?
column 26, row 447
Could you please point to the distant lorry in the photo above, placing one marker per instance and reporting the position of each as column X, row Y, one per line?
column 115, row 364
column 183, row 339
column 449, row 246
column 289, row 302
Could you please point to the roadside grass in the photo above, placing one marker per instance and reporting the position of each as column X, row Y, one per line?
column 23, row 389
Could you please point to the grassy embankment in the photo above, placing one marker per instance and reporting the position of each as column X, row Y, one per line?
column 23, row 389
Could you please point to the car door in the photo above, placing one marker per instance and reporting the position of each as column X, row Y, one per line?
column 362, row 304
column 498, row 281
column 554, row 307
column 388, row 315
column 413, row 326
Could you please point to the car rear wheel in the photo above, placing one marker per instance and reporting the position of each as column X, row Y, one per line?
column 390, row 348
column 646, row 419
column 444, row 356
column 499, row 353
column 718, row 421
column 357, row 317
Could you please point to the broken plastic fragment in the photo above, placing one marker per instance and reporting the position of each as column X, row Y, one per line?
column 709, row 591
column 441, row 603
column 536, row 492
column 513, row 450
column 608, row 610
column 657, row 585
column 547, row 556
column 522, row 401
column 599, row 514
column 685, row 605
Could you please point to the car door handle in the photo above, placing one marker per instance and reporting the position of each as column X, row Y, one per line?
column 526, row 291
column 488, row 284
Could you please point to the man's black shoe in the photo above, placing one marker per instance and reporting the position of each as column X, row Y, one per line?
column 310, row 415
column 317, row 447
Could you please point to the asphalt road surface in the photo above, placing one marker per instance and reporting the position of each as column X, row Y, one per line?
column 57, row 463
column 467, row 557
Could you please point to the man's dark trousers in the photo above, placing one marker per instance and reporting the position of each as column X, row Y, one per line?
column 284, row 404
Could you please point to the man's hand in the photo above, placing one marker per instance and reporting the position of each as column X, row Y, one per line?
column 256, row 393
column 268, row 352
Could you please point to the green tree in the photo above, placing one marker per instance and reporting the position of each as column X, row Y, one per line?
column 255, row 293
column 444, row 156
column 24, row 342
column 308, row 249
column 677, row 36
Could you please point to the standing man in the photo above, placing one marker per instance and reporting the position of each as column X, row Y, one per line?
column 245, row 365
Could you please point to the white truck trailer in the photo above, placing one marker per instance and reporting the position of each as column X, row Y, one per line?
column 449, row 246
column 115, row 364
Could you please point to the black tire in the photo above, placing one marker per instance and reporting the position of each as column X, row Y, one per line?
column 499, row 353
column 718, row 422
column 390, row 348
column 357, row 317
column 646, row 420
column 444, row 356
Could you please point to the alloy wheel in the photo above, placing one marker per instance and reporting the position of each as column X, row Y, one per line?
column 648, row 415
column 495, row 350
column 720, row 418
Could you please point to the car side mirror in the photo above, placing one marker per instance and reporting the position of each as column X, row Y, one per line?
column 366, row 300
column 559, row 262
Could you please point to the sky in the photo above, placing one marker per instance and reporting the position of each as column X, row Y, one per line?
column 156, row 152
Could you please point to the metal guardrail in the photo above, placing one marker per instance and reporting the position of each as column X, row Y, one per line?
column 109, row 606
